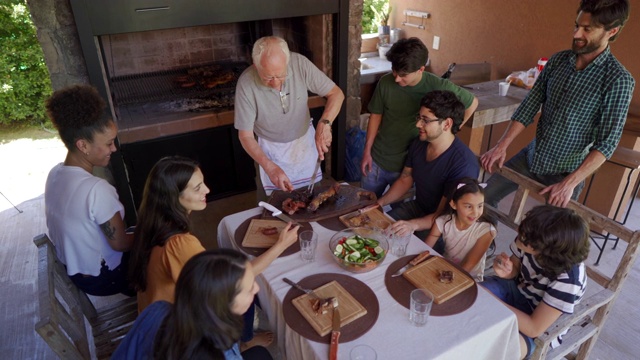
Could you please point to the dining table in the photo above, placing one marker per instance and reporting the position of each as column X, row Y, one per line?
column 485, row 330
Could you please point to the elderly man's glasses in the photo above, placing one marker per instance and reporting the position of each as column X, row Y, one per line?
column 423, row 120
column 272, row 78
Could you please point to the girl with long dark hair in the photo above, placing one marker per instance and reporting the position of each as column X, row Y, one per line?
column 213, row 290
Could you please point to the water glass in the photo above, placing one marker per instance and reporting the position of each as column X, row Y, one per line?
column 308, row 242
column 399, row 244
column 363, row 352
column 421, row 302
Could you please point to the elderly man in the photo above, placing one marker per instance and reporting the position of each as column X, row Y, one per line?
column 585, row 94
column 271, row 102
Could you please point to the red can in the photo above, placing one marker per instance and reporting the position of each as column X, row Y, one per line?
column 541, row 63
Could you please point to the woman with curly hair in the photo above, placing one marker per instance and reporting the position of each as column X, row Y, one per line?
column 84, row 214
column 546, row 276
column 213, row 290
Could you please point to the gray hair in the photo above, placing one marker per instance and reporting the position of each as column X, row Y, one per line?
column 265, row 43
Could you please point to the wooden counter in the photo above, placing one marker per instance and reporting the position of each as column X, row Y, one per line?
column 150, row 124
column 492, row 109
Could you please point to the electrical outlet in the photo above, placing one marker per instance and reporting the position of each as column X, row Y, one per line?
column 436, row 42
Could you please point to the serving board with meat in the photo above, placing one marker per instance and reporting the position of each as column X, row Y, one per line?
column 350, row 308
column 263, row 233
column 370, row 217
column 328, row 200
column 440, row 277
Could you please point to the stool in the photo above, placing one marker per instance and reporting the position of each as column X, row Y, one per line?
column 629, row 159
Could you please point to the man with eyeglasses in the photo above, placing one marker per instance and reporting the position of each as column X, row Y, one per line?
column 272, row 115
column 435, row 162
column 393, row 108
column 585, row 94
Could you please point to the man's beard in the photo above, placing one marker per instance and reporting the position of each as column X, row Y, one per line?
column 588, row 48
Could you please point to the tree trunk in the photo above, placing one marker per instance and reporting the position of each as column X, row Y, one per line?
column 57, row 34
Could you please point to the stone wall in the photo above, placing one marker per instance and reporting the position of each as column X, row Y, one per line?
column 352, row 93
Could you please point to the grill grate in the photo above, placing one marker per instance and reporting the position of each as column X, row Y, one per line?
column 162, row 85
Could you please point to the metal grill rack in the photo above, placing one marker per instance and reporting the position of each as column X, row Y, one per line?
column 162, row 86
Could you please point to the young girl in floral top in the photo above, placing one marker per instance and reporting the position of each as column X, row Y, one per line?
column 466, row 232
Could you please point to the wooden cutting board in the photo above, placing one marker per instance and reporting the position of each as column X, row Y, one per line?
column 349, row 198
column 256, row 239
column 426, row 275
column 350, row 308
column 367, row 218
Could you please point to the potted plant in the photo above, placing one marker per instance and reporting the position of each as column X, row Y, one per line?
column 382, row 10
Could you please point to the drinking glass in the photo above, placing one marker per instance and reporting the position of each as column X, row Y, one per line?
column 308, row 242
column 421, row 302
column 363, row 352
column 399, row 244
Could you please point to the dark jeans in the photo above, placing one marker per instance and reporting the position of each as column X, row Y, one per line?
column 247, row 329
column 109, row 282
column 256, row 353
column 377, row 179
column 410, row 210
column 499, row 187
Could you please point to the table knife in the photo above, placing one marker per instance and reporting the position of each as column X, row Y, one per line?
column 360, row 211
column 277, row 213
column 305, row 290
column 416, row 260
column 313, row 178
column 335, row 331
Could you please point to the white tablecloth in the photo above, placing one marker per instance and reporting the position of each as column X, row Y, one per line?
column 487, row 330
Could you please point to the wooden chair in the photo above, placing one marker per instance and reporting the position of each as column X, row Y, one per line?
column 590, row 315
column 68, row 321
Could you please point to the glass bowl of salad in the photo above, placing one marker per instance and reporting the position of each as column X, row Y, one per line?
column 359, row 249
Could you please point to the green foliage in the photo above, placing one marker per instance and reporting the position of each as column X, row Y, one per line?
column 24, row 78
column 374, row 13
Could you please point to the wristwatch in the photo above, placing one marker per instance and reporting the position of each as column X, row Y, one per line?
column 326, row 122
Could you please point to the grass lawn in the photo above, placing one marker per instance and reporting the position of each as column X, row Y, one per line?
column 10, row 133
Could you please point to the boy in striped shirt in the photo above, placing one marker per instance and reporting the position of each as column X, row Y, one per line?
column 545, row 276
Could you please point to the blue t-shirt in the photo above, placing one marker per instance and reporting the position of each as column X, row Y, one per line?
column 437, row 178
column 138, row 344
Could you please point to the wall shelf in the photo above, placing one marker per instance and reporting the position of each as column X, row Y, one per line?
column 414, row 13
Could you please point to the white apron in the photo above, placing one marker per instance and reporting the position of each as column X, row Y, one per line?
column 296, row 158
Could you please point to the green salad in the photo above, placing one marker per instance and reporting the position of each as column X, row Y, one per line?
column 358, row 249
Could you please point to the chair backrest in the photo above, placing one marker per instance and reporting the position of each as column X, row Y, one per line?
column 465, row 74
column 64, row 310
column 590, row 315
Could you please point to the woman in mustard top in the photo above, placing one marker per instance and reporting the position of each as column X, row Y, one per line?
column 163, row 242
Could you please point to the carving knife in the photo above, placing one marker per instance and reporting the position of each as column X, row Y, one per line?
column 277, row 213
column 335, row 331
column 416, row 260
column 313, row 178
